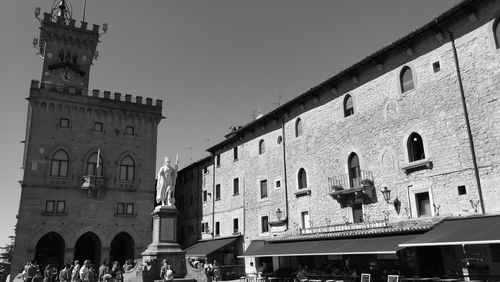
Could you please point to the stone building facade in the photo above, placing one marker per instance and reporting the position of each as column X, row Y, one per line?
column 89, row 161
column 419, row 118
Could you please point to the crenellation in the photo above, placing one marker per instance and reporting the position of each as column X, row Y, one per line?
column 95, row 28
column 149, row 101
column 118, row 96
column 138, row 100
column 95, row 93
column 71, row 22
column 128, row 98
column 107, row 95
column 83, row 25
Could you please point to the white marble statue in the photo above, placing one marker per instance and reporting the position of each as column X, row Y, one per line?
column 165, row 188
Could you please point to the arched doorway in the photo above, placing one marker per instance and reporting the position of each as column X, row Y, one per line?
column 122, row 248
column 88, row 246
column 50, row 249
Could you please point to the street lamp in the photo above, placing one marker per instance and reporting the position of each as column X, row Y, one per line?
column 279, row 214
column 386, row 193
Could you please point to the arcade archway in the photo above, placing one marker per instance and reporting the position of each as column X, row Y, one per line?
column 50, row 249
column 88, row 246
column 122, row 248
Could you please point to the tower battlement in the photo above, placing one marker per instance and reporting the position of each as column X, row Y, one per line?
column 47, row 18
column 97, row 94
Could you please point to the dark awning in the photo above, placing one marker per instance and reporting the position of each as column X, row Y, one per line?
column 205, row 247
column 460, row 231
column 377, row 245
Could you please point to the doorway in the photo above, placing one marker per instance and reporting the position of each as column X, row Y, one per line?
column 122, row 248
column 50, row 250
column 88, row 246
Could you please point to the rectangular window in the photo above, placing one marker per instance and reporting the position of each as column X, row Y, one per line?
column 436, row 67
column 130, row 209
column 217, row 228
column 236, row 186
column 49, row 206
column 203, row 230
column 263, row 189
column 64, row 123
column 206, row 228
column 423, row 204
column 61, row 206
column 235, row 225
column 129, row 130
column 205, row 170
column 235, row 153
column 304, row 216
column 264, row 224
column 278, row 184
column 205, row 196
column 217, row 192
column 120, row 208
column 357, row 213
column 98, row 126
column 217, row 160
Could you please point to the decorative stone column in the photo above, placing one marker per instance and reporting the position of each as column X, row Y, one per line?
column 164, row 244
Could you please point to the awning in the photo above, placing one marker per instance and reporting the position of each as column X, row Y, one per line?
column 460, row 231
column 376, row 245
column 205, row 247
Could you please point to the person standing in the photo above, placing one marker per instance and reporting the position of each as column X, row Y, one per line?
column 216, row 271
column 29, row 271
column 75, row 274
column 102, row 268
column 65, row 273
column 84, row 271
column 169, row 273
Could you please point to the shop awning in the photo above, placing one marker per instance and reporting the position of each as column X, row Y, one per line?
column 460, row 231
column 205, row 247
column 377, row 245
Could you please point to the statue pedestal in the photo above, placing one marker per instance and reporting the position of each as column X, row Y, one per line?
column 164, row 245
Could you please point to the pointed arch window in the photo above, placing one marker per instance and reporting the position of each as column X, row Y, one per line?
column 298, row 127
column 354, row 171
column 262, row 147
column 302, row 177
column 59, row 164
column 127, row 169
column 496, row 31
column 406, row 79
column 92, row 168
column 348, row 106
column 415, row 146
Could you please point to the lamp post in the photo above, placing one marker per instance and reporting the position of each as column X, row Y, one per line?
column 386, row 193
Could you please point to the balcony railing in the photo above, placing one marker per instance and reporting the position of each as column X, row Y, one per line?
column 343, row 181
column 95, row 186
column 348, row 191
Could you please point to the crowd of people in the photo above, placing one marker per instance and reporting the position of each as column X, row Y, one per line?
column 212, row 269
column 107, row 272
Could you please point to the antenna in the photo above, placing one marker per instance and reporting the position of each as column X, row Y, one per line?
column 84, row 8
column 279, row 100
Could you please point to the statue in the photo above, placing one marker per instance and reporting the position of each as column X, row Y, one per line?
column 165, row 188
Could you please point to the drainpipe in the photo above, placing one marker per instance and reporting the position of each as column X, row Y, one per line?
column 285, row 181
column 466, row 115
column 213, row 198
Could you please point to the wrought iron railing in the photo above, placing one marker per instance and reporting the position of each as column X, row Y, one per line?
column 344, row 181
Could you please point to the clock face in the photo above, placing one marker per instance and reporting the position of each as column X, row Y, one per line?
column 67, row 77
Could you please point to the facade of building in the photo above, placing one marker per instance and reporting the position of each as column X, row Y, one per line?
column 399, row 145
column 89, row 161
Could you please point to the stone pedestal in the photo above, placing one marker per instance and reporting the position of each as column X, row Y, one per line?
column 164, row 244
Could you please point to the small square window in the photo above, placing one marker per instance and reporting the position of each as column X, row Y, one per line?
column 263, row 189
column 98, row 126
column 264, row 224
column 129, row 130
column 278, row 183
column 61, row 206
column 217, row 228
column 49, row 206
column 461, row 190
column 436, row 66
column 235, row 225
column 236, row 186
column 217, row 192
column 423, row 204
column 235, row 153
column 205, row 196
column 64, row 123
column 120, row 208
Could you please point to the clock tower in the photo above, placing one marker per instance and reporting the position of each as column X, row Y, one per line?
column 67, row 50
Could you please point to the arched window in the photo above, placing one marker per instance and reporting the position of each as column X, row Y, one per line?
column 302, row 177
column 415, row 146
column 127, row 169
column 496, row 31
column 354, row 171
column 92, row 168
column 298, row 127
column 406, row 79
column 59, row 164
column 262, row 147
column 348, row 106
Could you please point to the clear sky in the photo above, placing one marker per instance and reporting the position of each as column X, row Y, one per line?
column 213, row 63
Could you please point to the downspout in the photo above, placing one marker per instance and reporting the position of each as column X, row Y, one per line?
column 466, row 115
column 213, row 199
column 285, row 181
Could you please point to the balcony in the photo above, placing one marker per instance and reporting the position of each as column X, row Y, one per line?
column 95, row 186
column 348, row 191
